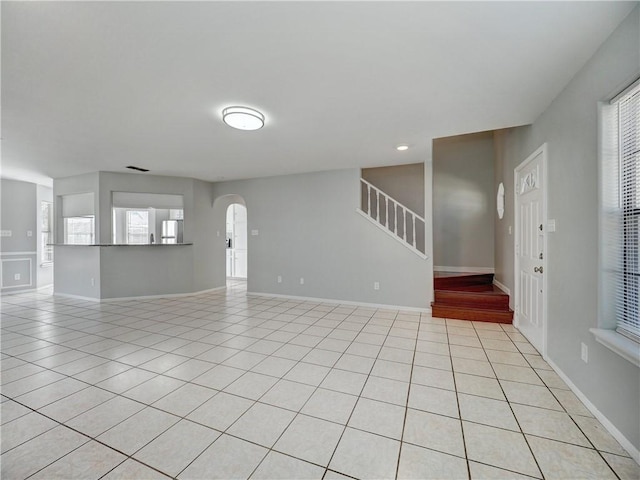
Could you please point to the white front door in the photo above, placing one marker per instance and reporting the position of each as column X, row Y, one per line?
column 531, row 225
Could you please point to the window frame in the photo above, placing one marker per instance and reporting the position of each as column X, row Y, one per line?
column 615, row 219
column 46, row 234
column 128, row 227
column 66, row 234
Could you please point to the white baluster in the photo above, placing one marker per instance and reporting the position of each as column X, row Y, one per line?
column 395, row 218
column 369, row 199
column 378, row 206
column 404, row 224
column 386, row 211
column 414, row 230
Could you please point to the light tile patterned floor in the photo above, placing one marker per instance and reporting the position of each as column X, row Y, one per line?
column 226, row 385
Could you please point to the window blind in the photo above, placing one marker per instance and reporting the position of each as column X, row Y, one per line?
column 628, row 282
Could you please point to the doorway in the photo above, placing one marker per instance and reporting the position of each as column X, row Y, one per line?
column 236, row 241
column 530, row 248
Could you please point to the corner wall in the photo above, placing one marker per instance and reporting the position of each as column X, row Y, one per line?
column 464, row 202
column 570, row 128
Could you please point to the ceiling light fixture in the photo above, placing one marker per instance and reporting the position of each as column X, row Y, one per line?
column 243, row 118
column 402, row 148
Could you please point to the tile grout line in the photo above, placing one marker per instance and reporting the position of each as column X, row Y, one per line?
column 406, row 407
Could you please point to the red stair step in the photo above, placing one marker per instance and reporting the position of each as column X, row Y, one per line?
column 473, row 314
column 493, row 299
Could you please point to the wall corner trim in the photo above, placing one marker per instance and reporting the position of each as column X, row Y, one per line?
column 617, row 434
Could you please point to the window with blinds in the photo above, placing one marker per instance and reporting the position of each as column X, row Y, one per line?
column 628, row 281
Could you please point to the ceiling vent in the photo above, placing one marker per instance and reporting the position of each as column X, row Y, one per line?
column 138, row 169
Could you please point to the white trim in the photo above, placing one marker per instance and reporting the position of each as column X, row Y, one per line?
column 617, row 434
column 502, row 286
column 25, row 286
column 343, row 302
column 16, row 254
column 391, row 234
column 623, row 346
column 75, row 297
column 441, row 268
column 542, row 150
column 237, row 278
column 143, row 297
column 18, row 292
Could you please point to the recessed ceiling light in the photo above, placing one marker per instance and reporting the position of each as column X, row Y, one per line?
column 243, row 118
column 402, row 148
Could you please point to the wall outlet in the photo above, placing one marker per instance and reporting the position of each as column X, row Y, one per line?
column 584, row 353
column 279, row 279
column 29, row 233
column 16, row 276
column 551, row 225
column 254, row 233
column 301, row 281
column 376, row 285
column 93, row 282
column 509, row 229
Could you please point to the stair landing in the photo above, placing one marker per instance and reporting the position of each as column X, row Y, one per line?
column 470, row 296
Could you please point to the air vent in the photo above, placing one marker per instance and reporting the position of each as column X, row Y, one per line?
column 131, row 167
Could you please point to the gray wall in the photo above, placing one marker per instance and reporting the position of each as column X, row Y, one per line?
column 405, row 183
column 570, row 128
column 77, row 270
column 308, row 227
column 19, row 251
column 464, row 201
column 78, row 184
column 138, row 270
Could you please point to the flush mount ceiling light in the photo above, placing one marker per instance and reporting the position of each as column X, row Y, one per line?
column 402, row 148
column 243, row 118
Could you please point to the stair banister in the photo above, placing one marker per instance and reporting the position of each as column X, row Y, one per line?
column 373, row 190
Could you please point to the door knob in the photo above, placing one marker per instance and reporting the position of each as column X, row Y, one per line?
column 537, row 269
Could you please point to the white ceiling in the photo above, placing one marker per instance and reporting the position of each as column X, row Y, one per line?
column 98, row 86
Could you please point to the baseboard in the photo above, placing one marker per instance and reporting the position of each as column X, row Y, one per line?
column 501, row 286
column 142, row 297
column 343, row 302
column 622, row 440
column 4, row 292
column 440, row 268
column 76, row 297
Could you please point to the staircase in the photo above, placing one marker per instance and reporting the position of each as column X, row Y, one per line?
column 397, row 220
column 469, row 296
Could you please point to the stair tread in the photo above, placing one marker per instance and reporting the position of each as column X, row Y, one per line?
column 466, row 307
column 473, row 289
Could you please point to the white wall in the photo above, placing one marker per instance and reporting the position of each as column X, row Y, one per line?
column 570, row 128
column 464, row 201
column 308, row 227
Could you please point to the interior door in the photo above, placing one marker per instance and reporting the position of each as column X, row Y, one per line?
column 237, row 241
column 530, row 219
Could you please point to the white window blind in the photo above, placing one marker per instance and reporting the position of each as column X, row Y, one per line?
column 628, row 281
